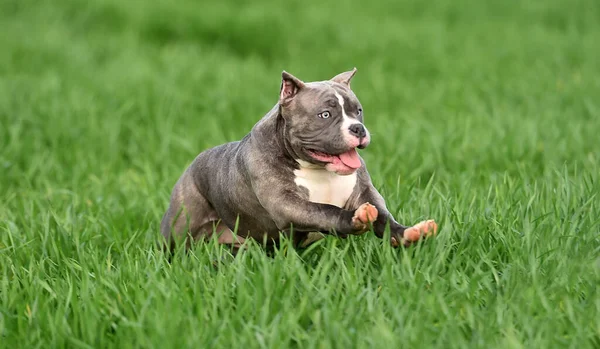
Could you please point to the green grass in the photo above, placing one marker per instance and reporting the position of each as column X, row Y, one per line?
column 485, row 115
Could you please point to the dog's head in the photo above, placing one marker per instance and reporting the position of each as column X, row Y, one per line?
column 324, row 122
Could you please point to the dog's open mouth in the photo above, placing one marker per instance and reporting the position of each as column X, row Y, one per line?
column 344, row 163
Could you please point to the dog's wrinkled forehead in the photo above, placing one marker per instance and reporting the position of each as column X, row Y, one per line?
column 329, row 92
column 298, row 98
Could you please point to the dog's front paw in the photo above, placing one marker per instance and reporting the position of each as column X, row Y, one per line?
column 364, row 214
column 414, row 233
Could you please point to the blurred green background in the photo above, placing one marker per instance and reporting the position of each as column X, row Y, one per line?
column 484, row 116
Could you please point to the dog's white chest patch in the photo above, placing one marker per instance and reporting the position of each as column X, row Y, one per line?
column 325, row 187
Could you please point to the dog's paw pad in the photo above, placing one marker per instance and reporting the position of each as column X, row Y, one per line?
column 364, row 214
column 424, row 228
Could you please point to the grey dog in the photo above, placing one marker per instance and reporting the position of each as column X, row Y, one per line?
column 296, row 173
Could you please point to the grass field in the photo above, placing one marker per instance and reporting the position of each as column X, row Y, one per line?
column 485, row 116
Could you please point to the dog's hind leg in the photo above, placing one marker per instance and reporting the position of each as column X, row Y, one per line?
column 190, row 217
column 187, row 215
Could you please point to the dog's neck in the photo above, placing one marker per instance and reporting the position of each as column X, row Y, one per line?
column 272, row 128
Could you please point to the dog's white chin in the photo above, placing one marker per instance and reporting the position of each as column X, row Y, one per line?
column 340, row 169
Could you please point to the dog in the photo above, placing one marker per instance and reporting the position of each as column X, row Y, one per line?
column 297, row 174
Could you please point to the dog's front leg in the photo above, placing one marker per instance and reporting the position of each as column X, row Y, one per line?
column 289, row 210
column 400, row 234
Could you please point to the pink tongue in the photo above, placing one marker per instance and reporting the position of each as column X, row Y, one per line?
column 350, row 159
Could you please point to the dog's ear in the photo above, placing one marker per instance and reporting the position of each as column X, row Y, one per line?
column 345, row 77
column 290, row 85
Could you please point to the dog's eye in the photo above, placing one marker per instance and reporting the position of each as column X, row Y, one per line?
column 324, row 115
column 359, row 111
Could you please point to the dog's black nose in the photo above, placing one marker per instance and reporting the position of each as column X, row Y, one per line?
column 358, row 130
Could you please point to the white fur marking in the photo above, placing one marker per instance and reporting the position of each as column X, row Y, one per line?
column 348, row 121
column 325, row 187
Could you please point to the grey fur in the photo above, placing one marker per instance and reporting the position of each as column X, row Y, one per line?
column 249, row 184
